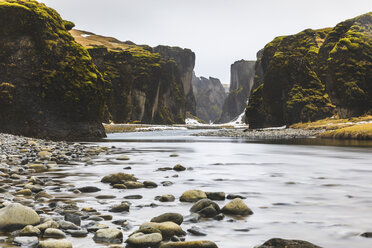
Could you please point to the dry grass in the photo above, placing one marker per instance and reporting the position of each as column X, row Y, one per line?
column 360, row 132
column 121, row 128
column 331, row 123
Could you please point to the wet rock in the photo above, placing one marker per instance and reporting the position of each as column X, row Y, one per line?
column 118, row 178
column 43, row 194
column 192, row 196
column 44, row 155
column 34, row 188
column 26, row 241
column 66, row 225
column 193, row 218
column 165, row 169
column 106, row 216
column 133, row 197
column 236, row 207
column 219, row 217
column 150, row 184
column 24, row 192
column 173, row 155
column 367, row 235
column 35, row 180
column 145, row 240
column 38, row 167
column 15, row 216
column 48, row 224
column 173, row 217
column 216, row 196
column 133, row 185
column 109, row 235
column 196, row 231
column 94, row 227
column 29, row 231
column 123, row 157
column 285, row 243
column 73, row 218
column 53, row 243
column 233, row 196
column 89, row 209
column 179, row 167
column 206, row 208
column 77, row 233
column 123, row 207
column 189, row 244
column 89, row 189
column 167, row 183
column 105, row 197
column 95, row 218
column 167, row 198
column 119, row 186
column 167, row 229
column 54, row 233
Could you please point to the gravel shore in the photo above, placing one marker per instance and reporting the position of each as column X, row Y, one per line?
column 287, row 133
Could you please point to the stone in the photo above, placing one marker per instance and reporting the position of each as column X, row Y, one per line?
column 118, row 178
column 133, row 197
column 24, row 192
column 173, row 155
column 74, row 218
column 133, row 185
column 43, row 194
column 77, row 233
column 367, row 235
column 38, row 167
column 54, row 243
column 54, row 233
column 233, row 196
column 109, row 235
column 34, row 187
column 206, row 208
column 145, row 240
column 196, row 231
column 167, row 229
column 29, row 231
column 236, row 207
column 89, row 189
column 149, row 184
column 179, row 167
column 285, row 243
column 167, row 198
column 119, row 186
column 123, row 157
column 216, row 196
column 105, row 197
column 16, row 216
column 26, row 241
column 66, row 225
column 123, row 207
column 44, row 155
column 48, row 224
column 192, row 196
column 173, row 217
column 189, row 244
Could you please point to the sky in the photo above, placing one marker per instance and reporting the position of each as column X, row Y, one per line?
column 220, row 32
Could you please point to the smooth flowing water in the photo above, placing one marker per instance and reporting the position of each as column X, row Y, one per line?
column 304, row 190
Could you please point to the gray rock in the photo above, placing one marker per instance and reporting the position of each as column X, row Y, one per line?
column 367, row 235
column 206, row 208
column 196, row 231
column 53, row 243
column 173, row 217
column 15, row 216
column 145, row 240
column 54, row 233
column 109, row 235
column 28, row 242
column 77, row 233
column 73, row 218
column 285, row 243
column 48, row 224
column 29, row 231
column 67, row 225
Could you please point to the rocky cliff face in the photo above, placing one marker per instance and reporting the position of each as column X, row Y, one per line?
column 145, row 86
column 242, row 79
column 305, row 75
column 210, row 96
column 185, row 60
column 49, row 86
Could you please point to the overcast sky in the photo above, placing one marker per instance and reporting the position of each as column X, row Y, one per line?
column 218, row 31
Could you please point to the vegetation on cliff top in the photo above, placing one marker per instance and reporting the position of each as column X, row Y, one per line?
column 53, row 78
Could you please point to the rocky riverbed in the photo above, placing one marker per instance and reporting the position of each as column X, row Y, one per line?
column 286, row 133
column 34, row 212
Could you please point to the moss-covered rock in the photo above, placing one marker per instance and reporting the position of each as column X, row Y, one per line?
column 144, row 85
column 49, row 86
column 290, row 90
column 346, row 66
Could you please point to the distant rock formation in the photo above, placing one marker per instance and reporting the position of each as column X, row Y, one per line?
column 185, row 59
column 306, row 75
column 146, row 86
column 210, row 96
column 242, row 79
column 49, row 86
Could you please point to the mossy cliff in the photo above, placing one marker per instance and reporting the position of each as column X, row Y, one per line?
column 210, row 95
column 49, row 86
column 310, row 75
column 242, row 78
column 145, row 86
column 345, row 61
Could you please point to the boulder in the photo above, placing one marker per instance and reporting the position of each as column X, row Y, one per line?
column 29, row 231
column 15, row 216
column 168, row 229
column 167, row 198
column 89, row 189
column 192, row 196
column 118, row 178
column 26, row 241
column 123, row 207
column 145, row 240
column 109, row 235
column 54, row 233
column 48, row 224
column 236, row 207
column 206, row 208
column 216, row 196
column 189, row 244
column 285, row 243
column 179, row 167
column 173, row 217
column 133, row 185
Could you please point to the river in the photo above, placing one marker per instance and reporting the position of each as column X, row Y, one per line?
column 309, row 190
